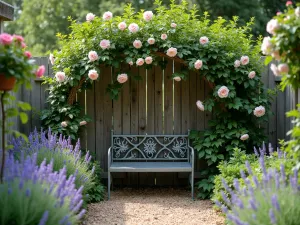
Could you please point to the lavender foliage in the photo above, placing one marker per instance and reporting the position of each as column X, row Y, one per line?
column 272, row 200
column 49, row 146
column 32, row 194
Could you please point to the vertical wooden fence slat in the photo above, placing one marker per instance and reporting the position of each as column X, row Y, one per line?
column 151, row 101
column 159, row 114
column 117, row 111
column 164, row 179
column 107, row 118
column 150, row 128
column 193, row 98
column 186, row 105
column 90, row 127
column 145, row 179
column 178, row 110
column 208, row 115
column 81, row 98
column 134, row 122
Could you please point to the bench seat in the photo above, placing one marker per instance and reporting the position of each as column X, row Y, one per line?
column 150, row 167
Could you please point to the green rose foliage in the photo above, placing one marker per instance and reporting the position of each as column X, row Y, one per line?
column 233, row 115
column 284, row 46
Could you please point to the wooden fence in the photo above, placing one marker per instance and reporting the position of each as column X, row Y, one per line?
column 153, row 105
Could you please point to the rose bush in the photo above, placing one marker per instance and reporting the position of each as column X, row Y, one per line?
column 223, row 54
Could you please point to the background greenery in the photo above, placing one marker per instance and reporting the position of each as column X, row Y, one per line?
column 40, row 20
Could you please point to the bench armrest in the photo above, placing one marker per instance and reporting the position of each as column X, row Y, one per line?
column 109, row 157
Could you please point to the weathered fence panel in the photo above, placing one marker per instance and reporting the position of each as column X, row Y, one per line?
column 154, row 105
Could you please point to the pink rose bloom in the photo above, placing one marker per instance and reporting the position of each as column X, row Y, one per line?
column 130, row 63
column 64, row 124
column 203, row 40
column 151, row 41
column 177, row 79
column 172, row 52
column 244, row 137
column 200, row 105
column 148, row 15
column 278, row 13
column 107, row 15
column 198, row 64
column 18, row 38
column 133, row 28
column 283, row 68
column 51, row 58
column 252, row 74
column 140, row 62
column 289, row 3
column 6, row 39
column 60, row 76
column 93, row 56
column 28, row 54
column 259, row 111
column 274, row 69
column 148, row 60
column 93, row 75
column 40, row 71
column 104, row 44
column 297, row 11
column 244, row 60
column 23, row 45
column 82, row 123
column 223, row 92
column 122, row 78
column 89, row 17
column 173, row 25
column 122, row 26
column 137, row 44
column 164, row 36
column 266, row 46
column 237, row 63
column 272, row 26
column 276, row 55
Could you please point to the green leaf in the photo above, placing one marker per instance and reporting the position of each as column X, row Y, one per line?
column 23, row 117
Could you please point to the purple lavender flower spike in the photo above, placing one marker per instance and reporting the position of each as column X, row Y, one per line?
column 272, row 216
column 27, row 193
column 279, row 152
column 255, row 151
column 252, row 204
column 270, row 149
column 249, row 168
column 262, row 164
column 44, row 218
column 225, row 198
column 283, row 177
column 81, row 214
column 275, row 202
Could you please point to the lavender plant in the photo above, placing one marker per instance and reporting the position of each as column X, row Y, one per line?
column 59, row 149
column 231, row 171
column 270, row 201
column 32, row 194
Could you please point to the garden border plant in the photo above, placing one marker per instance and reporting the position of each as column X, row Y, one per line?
column 225, row 55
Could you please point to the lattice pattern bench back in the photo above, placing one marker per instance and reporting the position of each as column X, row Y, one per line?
column 150, row 147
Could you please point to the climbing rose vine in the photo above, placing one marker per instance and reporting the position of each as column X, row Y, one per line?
column 224, row 55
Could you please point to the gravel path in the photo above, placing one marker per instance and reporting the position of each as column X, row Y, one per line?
column 152, row 206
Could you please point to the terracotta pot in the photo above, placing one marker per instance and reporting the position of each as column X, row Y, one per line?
column 7, row 84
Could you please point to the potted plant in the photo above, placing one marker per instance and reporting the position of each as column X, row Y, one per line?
column 16, row 63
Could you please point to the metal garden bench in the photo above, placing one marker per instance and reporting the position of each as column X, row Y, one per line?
column 150, row 153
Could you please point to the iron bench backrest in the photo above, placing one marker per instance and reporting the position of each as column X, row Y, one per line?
column 150, row 148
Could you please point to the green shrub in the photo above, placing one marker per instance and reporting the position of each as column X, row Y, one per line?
column 231, row 170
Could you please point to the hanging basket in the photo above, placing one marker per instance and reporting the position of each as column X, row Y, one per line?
column 7, row 84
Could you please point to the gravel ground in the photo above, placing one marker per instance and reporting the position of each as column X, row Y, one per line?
column 152, row 206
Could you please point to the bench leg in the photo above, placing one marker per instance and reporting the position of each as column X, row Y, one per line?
column 109, row 184
column 192, row 184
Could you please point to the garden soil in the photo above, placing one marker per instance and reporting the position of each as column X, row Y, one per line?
column 152, row 207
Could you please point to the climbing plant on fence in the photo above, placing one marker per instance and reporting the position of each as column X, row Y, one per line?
column 222, row 53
